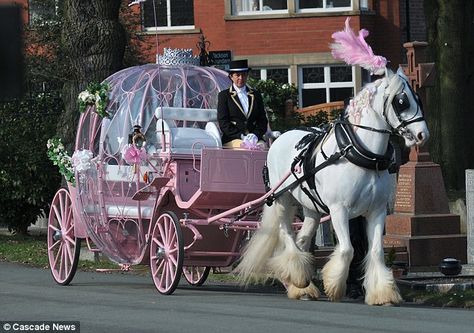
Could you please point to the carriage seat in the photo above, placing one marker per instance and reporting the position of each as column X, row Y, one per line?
column 187, row 130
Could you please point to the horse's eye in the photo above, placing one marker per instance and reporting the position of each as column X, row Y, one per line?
column 400, row 102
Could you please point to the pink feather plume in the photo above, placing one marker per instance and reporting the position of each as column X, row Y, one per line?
column 354, row 50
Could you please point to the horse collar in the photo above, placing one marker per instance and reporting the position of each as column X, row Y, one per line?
column 355, row 153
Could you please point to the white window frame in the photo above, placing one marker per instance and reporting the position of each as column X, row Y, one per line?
column 326, row 7
column 168, row 26
column 257, row 12
column 327, row 84
column 263, row 72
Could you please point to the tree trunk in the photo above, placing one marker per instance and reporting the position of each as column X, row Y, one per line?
column 450, row 28
column 93, row 43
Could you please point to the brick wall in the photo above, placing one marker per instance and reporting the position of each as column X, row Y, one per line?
column 286, row 35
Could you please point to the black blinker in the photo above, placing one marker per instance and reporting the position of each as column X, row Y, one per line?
column 400, row 102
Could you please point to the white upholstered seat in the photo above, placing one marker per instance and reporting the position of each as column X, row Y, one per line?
column 179, row 137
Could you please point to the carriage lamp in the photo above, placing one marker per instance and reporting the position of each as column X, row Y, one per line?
column 136, row 137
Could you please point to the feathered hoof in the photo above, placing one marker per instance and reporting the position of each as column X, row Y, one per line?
column 387, row 297
column 333, row 291
column 310, row 293
column 293, row 268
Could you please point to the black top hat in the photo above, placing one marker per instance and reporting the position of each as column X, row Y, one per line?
column 238, row 66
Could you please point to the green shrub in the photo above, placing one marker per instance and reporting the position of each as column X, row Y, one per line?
column 27, row 178
column 276, row 97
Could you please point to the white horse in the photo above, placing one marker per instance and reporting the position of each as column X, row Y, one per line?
column 355, row 184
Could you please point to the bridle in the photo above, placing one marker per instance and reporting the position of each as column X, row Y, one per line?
column 400, row 103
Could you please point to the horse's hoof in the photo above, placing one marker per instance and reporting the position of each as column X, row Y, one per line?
column 306, row 297
column 387, row 304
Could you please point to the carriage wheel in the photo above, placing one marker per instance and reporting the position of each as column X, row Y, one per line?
column 63, row 247
column 196, row 275
column 166, row 253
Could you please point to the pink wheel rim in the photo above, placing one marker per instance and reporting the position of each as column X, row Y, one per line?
column 63, row 248
column 166, row 253
column 196, row 275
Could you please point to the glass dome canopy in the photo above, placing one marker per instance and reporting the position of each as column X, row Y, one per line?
column 135, row 93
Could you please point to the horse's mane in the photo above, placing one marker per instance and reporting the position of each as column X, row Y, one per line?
column 364, row 98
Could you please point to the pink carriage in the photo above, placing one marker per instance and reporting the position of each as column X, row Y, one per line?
column 162, row 193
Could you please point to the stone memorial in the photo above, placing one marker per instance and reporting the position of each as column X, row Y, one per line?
column 422, row 222
column 470, row 216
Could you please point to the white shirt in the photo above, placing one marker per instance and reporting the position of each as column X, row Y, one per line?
column 244, row 99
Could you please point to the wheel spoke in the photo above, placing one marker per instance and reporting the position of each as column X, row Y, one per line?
column 159, row 268
column 52, row 227
column 66, row 257
column 173, row 238
column 57, row 214
column 157, row 241
column 163, row 274
column 61, row 206
column 69, row 219
column 162, row 234
column 69, row 251
column 56, row 256
column 170, row 274
column 60, row 259
column 173, row 259
column 166, row 223
column 54, row 245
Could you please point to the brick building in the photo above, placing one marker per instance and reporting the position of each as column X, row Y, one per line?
column 286, row 40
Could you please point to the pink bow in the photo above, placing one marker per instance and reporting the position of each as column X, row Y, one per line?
column 133, row 155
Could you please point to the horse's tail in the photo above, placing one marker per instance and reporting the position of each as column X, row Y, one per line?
column 260, row 248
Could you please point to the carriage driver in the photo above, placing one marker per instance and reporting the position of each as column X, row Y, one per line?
column 240, row 109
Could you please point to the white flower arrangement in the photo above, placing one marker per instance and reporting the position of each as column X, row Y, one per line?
column 82, row 160
column 96, row 94
column 59, row 156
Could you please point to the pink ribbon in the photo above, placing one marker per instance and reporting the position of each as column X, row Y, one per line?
column 133, row 155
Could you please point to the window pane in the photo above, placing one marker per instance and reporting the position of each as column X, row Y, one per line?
column 310, row 4
column 255, row 73
column 274, row 4
column 313, row 75
column 340, row 94
column 279, row 75
column 257, row 5
column 339, row 3
column 341, row 73
column 313, row 96
column 244, row 6
column 182, row 12
column 148, row 16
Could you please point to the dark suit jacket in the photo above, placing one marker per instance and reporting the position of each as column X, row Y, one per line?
column 233, row 121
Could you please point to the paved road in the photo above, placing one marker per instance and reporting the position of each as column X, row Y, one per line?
column 129, row 303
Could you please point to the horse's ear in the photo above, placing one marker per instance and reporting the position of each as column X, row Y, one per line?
column 401, row 73
column 388, row 73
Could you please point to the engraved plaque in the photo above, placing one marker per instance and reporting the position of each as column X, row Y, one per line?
column 404, row 196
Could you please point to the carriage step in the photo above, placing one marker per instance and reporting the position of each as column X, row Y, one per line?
column 153, row 187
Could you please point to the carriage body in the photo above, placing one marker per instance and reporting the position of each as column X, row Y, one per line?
column 180, row 195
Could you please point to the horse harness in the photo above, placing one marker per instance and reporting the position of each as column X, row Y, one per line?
column 349, row 147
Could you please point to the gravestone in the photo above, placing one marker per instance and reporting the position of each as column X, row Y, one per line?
column 470, row 216
column 421, row 221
